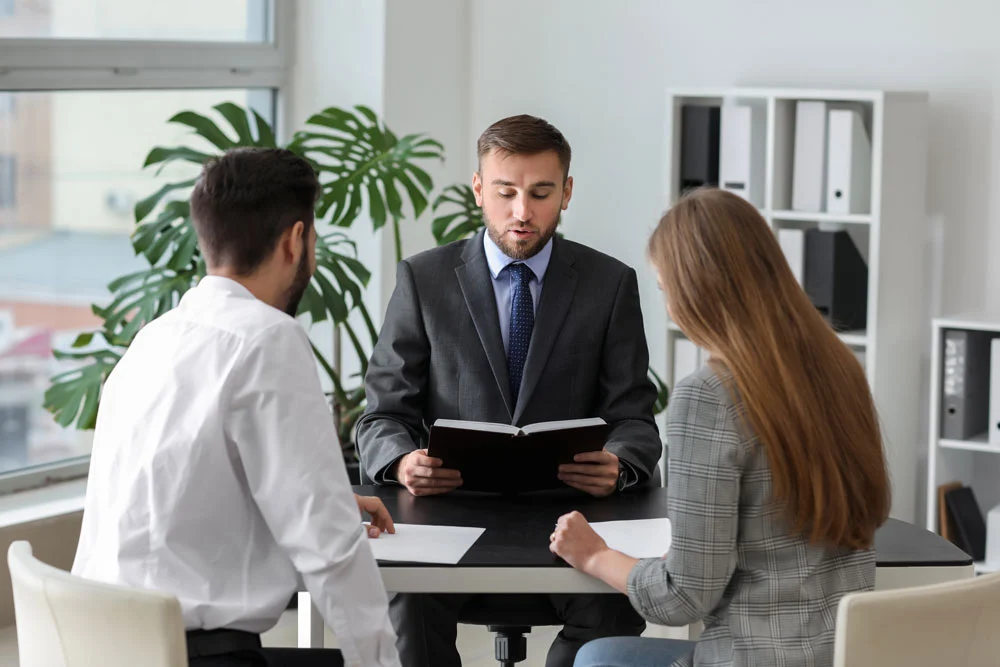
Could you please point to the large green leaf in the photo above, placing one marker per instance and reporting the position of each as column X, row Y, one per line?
column 464, row 219
column 164, row 156
column 265, row 135
column 169, row 235
column 74, row 394
column 237, row 117
column 204, row 127
column 146, row 206
column 363, row 165
column 141, row 297
column 339, row 281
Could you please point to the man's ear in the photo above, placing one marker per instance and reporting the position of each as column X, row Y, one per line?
column 292, row 242
column 477, row 188
column 567, row 192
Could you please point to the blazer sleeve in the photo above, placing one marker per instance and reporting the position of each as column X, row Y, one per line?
column 707, row 456
column 395, row 384
column 627, row 394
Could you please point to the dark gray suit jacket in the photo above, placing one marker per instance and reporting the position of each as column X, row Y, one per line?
column 440, row 355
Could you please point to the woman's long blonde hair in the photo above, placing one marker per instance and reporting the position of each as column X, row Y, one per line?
column 802, row 391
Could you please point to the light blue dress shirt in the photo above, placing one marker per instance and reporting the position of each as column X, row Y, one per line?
column 503, row 284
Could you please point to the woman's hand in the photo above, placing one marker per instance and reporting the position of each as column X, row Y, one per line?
column 381, row 521
column 576, row 542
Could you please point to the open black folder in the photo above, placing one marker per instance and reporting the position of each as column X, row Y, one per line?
column 505, row 458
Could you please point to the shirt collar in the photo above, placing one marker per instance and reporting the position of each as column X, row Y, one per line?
column 223, row 284
column 498, row 261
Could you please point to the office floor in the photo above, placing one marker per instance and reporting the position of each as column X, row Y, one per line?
column 474, row 643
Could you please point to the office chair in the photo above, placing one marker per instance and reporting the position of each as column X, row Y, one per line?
column 510, row 619
column 63, row 620
column 953, row 623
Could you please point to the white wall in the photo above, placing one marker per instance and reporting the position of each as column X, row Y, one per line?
column 409, row 63
column 598, row 71
column 426, row 90
column 338, row 60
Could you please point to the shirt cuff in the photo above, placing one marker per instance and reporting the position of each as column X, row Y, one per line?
column 631, row 476
column 387, row 475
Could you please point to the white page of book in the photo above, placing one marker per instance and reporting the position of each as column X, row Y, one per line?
column 488, row 427
column 639, row 538
column 425, row 544
column 541, row 427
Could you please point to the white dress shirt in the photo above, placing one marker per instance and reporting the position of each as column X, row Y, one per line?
column 216, row 476
column 503, row 286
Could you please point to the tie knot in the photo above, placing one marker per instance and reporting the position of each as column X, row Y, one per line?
column 522, row 272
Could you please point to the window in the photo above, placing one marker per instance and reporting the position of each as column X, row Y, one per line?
column 79, row 111
column 8, row 181
column 184, row 20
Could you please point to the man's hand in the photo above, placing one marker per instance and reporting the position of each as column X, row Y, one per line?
column 381, row 521
column 595, row 473
column 423, row 475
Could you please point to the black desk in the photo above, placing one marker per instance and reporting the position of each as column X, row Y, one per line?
column 513, row 556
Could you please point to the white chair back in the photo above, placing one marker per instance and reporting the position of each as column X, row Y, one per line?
column 955, row 623
column 67, row 621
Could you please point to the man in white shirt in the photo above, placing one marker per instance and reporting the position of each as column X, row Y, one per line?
column 216, row 475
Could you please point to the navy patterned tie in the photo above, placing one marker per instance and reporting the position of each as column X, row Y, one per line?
column 522, row 321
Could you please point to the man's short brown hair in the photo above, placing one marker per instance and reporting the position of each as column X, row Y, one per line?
column 524, row 135
column 245, row 199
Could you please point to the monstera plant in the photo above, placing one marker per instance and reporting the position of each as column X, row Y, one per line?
column 459, row 217
column 363, row 169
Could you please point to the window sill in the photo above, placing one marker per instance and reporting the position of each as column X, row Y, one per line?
column 45, row 503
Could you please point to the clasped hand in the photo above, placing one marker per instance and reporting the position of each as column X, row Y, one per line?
column 595, row 473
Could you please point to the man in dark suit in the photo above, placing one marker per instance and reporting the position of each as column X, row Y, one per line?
column 515, row 325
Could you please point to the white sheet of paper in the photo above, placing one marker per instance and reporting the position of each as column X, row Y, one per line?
column 425, row 544
column 640, row 538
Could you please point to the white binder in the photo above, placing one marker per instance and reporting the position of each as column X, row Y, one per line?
column 687, row 359
column 993, row 537
column 849, row 164
column 741, row 152
column 994, row 430
column 809, row 166
column 793, row 244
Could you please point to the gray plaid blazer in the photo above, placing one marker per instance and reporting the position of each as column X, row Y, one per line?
column 765, row 595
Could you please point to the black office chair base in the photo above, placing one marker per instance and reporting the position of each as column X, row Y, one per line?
column 510, row 644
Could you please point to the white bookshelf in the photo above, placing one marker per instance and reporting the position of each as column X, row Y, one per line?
column 973, row 462
column 890, row 237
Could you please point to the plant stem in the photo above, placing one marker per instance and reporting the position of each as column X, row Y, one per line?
column 399, row 241
column 338, row 389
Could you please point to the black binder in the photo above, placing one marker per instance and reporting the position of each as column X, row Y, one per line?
column 965, row 383
column 836, row 279
column 700, row 126
column 968, row 522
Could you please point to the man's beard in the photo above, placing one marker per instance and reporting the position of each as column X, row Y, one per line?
column 293, row 294
column 516, row 249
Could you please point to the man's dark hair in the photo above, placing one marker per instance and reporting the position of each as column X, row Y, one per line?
column 245, row 199
column 524, row 135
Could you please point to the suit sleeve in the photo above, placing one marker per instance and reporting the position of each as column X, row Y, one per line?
column 395, row 384
column 627, row 394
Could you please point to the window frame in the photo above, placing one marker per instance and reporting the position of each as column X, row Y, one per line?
column 55, row 64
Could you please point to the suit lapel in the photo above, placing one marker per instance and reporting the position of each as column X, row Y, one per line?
column 477, row 288
column 557, row 295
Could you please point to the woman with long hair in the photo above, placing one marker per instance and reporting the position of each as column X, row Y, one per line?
column 777, row 477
